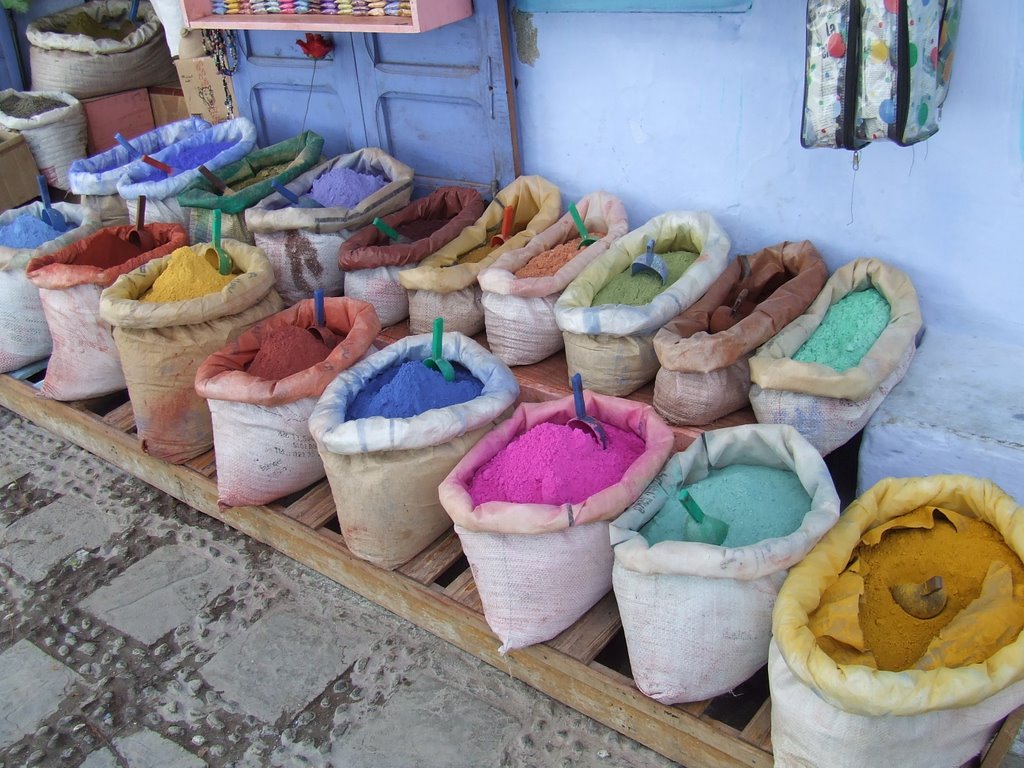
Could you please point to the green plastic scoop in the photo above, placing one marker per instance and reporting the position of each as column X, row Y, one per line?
column 436, row 359
column 587, row 238
column 700, row 527
column 650, row 262
column 223, row 260
column 387, row 230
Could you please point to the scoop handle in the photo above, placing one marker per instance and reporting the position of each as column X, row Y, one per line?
column 577, row 396
column 157, row 164
column 435, row 343
column 507, row 219
column 140, row 213
column 124, row 143
column 282, row 190
column 578, row 220
column 318, row 306
column 44, row 191
column 691, row 506
column 218, row 184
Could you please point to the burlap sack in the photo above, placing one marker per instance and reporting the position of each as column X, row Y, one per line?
column 697, row 617
column 85, row 66
column 84, row 362
column 850, row 715
column 56, row 137
column 539, row 567
column 612, row 345
column 162, row 344
column 519, row 313
column 249, row 181
column 371, row 262
column 384, row 473
column 826, row 406
column 260, row 428
column 704, row 373
column 24, row 334
column 444, row 286
column 302, row 243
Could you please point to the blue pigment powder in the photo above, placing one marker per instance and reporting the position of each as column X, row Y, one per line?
column 186, row 158
column 409, row 388
column 27, row 231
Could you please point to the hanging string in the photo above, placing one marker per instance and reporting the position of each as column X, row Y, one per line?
column 309, row 96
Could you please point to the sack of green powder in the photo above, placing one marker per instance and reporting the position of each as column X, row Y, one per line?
column 95, row 178
column 371, row 261
column 56, row 135
column 697, row 616
column 261, row 437
column 384, row 472
column 612, row 345
column 24, row 334
column 222, row 144
column 444, row 284
column 302, row 243
column 248, row 181
column 826, row 405
column 162, row 344
column 94, row 49
column 851, row 715
column 519, row 311
column 539, row 567
column 703, row 352
column 84, row 362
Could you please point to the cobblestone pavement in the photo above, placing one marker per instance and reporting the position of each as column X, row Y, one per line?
column 137, row 633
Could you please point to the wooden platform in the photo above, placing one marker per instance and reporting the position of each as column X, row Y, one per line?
column 586, row 667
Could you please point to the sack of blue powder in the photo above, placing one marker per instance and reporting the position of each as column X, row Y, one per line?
column 389, row 429
column 24, row 333
column 609, row 316
column 336, row 199
column 829, row 370
column 697, row 610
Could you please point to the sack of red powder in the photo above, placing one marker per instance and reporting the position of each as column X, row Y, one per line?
column 532, row 502
column 261, row 390
column 519, row 311
column 84, row 361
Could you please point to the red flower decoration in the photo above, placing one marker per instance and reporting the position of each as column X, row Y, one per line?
column 315, row 46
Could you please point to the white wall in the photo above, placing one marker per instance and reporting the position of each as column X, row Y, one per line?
column 702, row 112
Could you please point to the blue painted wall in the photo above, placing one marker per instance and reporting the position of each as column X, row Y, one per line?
column 702, row 112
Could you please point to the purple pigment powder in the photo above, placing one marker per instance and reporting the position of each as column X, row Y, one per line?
column 409, row 388
column 555, row 464
column 343, row 187
column 27, row 231
column 186, row 158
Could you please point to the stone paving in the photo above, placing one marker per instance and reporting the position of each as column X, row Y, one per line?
column 138, row 633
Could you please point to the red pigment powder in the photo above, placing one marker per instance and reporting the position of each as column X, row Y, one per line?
column 420, row 228
column 555, row 464
column 107, row 250
column 285, row 351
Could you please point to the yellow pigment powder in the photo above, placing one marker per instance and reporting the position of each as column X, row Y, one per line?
column 188, row 275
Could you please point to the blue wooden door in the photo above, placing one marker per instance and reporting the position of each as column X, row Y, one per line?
column 437, row 101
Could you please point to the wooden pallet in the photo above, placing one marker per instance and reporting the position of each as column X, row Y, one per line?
column 585, row 667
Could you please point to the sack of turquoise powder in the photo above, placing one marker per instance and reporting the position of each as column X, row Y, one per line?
column 828, row 405
column 612, row 344
column 302, row 242
column 24, row 333
column 697, row 616
column 384, row 472
column 539, row 567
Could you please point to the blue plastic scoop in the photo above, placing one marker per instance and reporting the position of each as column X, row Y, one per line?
column 436, row 359
column 50, row 215
column 302, row 201
column 650, row 262
column 125, row 143
column 582, row 421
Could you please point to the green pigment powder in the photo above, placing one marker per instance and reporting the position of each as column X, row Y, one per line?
column 270, row 172
column 83, row 23
column 848, row 330
column 25, row 106
column 626, row 288
column 757, row 502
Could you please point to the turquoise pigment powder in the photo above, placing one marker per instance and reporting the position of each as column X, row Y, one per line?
column 627, row 288
column 343, row 187
column 846, row 333
column 27, row 231
column 555, row 464
column 757, row 502
column 408, row 389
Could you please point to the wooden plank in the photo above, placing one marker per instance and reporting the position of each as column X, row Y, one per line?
column 122, row 417
column 758, row 730
column 670, row 731
column 315, row 508
column 1007, row 734
column 434, row 560
column 205, row 464
column 695, row 708
column 463, row 590
column 588, row 636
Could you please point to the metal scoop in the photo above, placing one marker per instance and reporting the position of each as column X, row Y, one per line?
column 507, row 218
column 436, row 359
column 650, row 262
column 582, row 422
column 922, row 601
column 50, row 215
column 140, row 237
column 586, row 238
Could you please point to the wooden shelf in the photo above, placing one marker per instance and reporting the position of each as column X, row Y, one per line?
column 426, row 15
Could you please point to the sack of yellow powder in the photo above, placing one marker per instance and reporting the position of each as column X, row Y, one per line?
column 830, row 402
column 942, row 709
column 520, row 288
column 444, row 284
column 611, row 344
column 168, row 316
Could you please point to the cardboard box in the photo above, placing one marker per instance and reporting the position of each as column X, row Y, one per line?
column 207, row 92
column 168, row 104
column 127, row 113
column 18, row 180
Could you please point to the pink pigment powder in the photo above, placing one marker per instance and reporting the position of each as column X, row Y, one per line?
column 555, row 464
